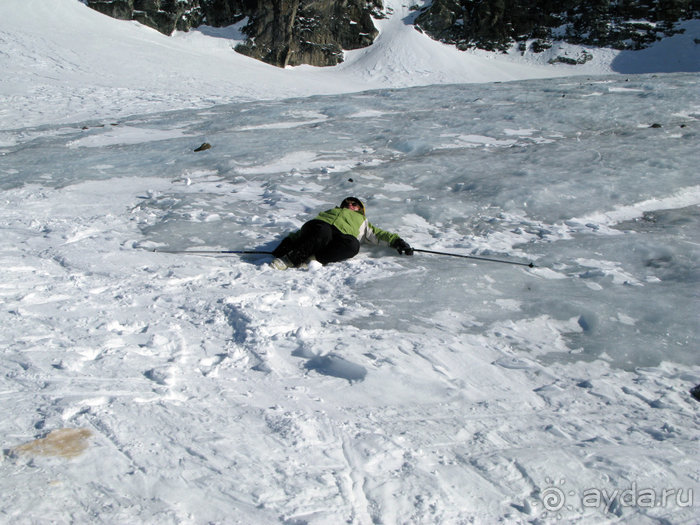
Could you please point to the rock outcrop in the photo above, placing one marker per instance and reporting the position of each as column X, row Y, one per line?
column 293, row 32
column 496, row 25
column 280, row 32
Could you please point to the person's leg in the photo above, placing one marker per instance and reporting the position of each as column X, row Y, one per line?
column 341, row 247
column 315, row 235
column 283, row 248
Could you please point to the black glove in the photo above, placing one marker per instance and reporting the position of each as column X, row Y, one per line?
column 402, row 247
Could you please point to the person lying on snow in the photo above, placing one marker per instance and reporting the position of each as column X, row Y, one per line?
column 334, row 235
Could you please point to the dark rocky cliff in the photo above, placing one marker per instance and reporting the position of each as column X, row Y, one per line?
column 313, row 32
column 280, row 32
column 498, row 24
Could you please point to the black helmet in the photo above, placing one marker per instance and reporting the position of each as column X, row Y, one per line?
column 353, row 200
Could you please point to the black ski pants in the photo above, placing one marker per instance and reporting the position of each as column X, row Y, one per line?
column 325, row 242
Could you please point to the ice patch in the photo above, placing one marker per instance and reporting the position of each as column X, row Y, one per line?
column 316, row 118
column 683, row 197
column 297, row 162
column 624, row 90
column 479, row 140
column 125, row 135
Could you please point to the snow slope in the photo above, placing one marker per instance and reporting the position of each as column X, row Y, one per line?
column 144, row 387
column 98, row 67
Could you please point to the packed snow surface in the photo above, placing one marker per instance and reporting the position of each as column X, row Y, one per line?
column 140, row 386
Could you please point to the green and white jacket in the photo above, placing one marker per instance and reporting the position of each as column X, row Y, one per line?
column 356, row 224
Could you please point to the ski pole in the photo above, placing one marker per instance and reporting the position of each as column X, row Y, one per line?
column 214, row 252
column 529, row 265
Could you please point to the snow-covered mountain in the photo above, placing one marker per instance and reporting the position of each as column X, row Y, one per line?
column 315, row 32
column 63, row 62
column 144, row 387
